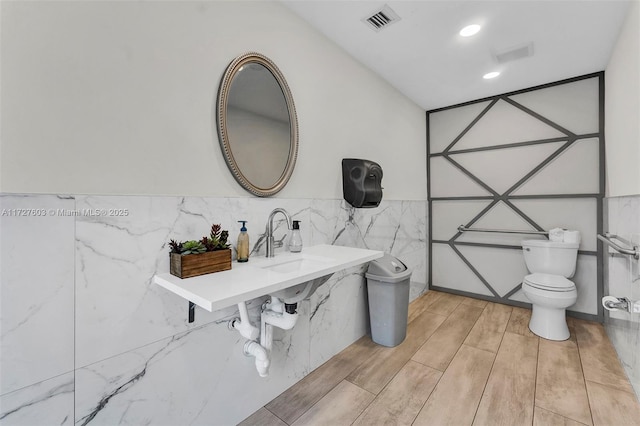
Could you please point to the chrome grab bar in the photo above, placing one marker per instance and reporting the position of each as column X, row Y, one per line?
column 608, row 238
column 462, row 228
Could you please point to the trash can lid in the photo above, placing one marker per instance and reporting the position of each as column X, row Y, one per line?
column 386, row 266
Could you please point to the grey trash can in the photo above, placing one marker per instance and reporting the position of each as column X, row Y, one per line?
column 388, row 290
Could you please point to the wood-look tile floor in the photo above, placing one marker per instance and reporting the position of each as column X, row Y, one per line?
column 464, row 362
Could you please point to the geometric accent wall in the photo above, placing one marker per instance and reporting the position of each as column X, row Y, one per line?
column 530, row 160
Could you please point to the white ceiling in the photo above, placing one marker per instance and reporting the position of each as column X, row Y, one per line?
column 423, row 56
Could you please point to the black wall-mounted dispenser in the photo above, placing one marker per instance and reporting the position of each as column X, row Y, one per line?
column 361, row 182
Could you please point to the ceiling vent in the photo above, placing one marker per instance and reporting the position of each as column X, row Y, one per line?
column 381, row 19
column 513, row 53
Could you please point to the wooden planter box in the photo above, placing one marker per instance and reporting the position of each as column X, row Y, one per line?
column 190, row 265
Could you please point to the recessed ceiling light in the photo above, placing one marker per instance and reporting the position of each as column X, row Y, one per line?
column 491, row 75
column 470, row 30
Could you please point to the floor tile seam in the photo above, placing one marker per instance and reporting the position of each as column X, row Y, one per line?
column 441, row 376
column 364, row 409
column 430, row 366
column 434, row 387
column 360, row 386
column 584, row 380
column 320, row 399
column 341, row 378
column 535, row 380
column 420, row 312
column 370, row 352
column 321, row 396
column 441, row 324
column 454, row 355
column 566, row 416
column 506, row 324
column 558, row 414
column 425, row 312
column 276, row 416
column 484, row 388
column 609, row 372
column 463, row 318
column 486, row 322
column 415, row 315
column 608, row 386
column 428, row 396
column 387, row 385
column 429, row 336
column 439, row 313
column 424, row 343
column 477, row 348
column 436, row 297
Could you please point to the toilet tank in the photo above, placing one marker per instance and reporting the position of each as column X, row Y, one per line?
column 550, row 257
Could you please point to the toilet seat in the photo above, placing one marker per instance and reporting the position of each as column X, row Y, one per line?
column 549, row 282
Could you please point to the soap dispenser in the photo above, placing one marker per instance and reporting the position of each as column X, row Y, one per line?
column 243, row 243
column 295, row 243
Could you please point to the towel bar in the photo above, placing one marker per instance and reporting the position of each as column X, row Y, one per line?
column 462, row 228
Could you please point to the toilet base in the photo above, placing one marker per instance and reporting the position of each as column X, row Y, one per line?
column 549, row 323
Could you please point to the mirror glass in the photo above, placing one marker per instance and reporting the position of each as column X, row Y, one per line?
column 257, row 124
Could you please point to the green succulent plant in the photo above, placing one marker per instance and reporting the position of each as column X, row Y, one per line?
column 193, row 247
column 217, row 240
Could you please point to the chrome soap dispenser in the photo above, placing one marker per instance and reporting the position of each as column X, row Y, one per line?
column 295, row 243
column 243, row 243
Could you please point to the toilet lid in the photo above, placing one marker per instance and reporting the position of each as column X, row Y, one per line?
column 549, row 282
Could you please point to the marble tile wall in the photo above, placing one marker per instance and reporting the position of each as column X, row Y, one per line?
column 622, row 279
column 87, row 338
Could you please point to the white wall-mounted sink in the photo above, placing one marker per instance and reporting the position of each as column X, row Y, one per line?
column 291, row 276
column 299, row 292
column 297, row 263
column 290, row 262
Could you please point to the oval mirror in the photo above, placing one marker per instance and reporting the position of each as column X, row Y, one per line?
column 257, row 124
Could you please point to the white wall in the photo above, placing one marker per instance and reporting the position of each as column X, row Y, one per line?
column 119, row 98
column 622, row 106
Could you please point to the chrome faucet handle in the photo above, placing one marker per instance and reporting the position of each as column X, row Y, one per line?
column 279, row 243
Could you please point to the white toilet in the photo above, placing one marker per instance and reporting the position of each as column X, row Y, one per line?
column 547, row 287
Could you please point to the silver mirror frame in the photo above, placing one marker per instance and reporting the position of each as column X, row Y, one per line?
column 223, row 136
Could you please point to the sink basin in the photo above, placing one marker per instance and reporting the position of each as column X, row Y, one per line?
column 298, row 265
column 299, row 292
column 289, row 264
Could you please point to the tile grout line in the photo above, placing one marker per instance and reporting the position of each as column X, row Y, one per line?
column 492, row 366
column 275, row 415
column 378, row 394
column 535, row 381
column 321, row 398
column 584, row 379
column 440, row 378
column 75, row 320
column 416, row 351
column 608, row 386
column 442, row 375
column 562, row 415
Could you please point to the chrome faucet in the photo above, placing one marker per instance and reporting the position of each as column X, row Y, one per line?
column 269, row 231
